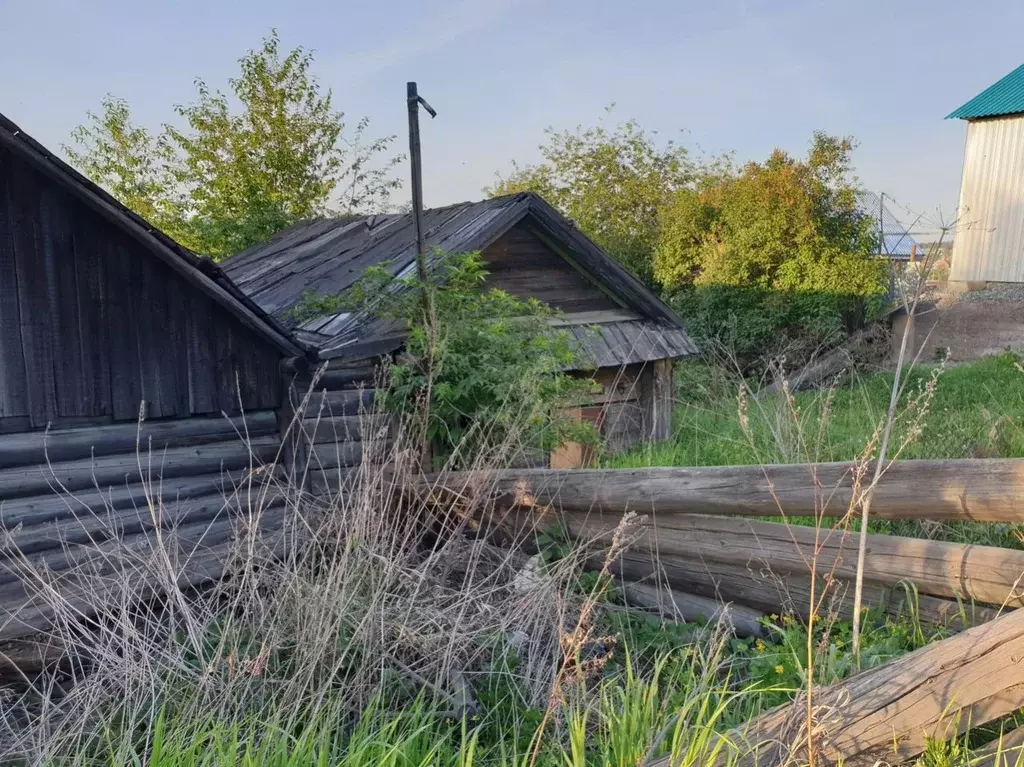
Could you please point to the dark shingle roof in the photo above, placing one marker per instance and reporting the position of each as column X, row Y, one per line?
column 1005, row 97
column 200, row 272
column 327, row 257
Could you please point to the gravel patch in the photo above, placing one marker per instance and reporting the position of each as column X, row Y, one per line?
column 1004, row 292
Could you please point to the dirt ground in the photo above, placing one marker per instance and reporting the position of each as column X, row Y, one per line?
column 969, row 327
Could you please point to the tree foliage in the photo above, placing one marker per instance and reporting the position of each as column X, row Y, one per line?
column 240, row 166
column 772, row 252
column 784, row 224
column 490, row 370
column 611, row 182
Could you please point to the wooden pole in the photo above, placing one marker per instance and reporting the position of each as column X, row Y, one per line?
column 887, row 714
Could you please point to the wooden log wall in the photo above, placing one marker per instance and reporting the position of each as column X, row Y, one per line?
column 334, row 422
column 77, row 501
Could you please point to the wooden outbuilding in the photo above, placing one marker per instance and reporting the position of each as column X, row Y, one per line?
column 628, row 337
column 121, row 354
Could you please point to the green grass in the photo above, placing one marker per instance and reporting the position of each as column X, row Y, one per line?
column 977, row 412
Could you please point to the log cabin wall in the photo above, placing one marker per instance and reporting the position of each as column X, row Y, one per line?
column 71, row 497
column 335, row 423
column 91, row 324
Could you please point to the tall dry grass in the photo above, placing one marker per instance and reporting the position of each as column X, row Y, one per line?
column 369, row 598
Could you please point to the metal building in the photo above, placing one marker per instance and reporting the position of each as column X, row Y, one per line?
column 989, row 241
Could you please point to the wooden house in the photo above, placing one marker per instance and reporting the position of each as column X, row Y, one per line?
column 103, row 317
column 628, row 337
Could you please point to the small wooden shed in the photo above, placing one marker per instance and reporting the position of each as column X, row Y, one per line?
column 103, row 317
column 629, row 337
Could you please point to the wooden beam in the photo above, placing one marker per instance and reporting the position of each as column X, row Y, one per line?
column 990, row 490
column 889, row 713
column 661, row 401
column 986, row 574
column 38, row 447
column 676, row 604
column 595, row 317
column 345, row 428
column 123, row 470
column 335, row 403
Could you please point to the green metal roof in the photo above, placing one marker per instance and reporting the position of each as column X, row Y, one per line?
column 1006, row 97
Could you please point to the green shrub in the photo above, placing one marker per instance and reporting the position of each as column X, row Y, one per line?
column 775, row 254
column 488, row 369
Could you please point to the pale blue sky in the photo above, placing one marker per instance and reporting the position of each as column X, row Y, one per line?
column 743, row 75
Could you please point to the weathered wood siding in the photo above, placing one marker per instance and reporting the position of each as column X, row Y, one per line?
column 73, row 501
column 522, row 264
column 91, row 324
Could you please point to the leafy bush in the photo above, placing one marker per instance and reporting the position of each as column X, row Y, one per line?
column 486, row 367
column 760, row 324
column 775, row 254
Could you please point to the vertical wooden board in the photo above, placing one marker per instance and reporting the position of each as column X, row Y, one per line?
column 59, row 258
column 662, row 399
column 13, row 386
column 122, row 333
column 93, row 338
column 170, row 363
column 268, row 379
column 202, row 355
column 150, row 315
column 225, row 368
column 33, row 298
column 248, row 367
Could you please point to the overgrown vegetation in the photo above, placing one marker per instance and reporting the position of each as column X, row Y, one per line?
column 766, row 259
column 486, row 365
column 232, row 170
column 977, row 412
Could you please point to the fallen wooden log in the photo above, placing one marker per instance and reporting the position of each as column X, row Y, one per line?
column 986, row 574
column 744, row 621
column 889, row 713
column 752, row 586
column 989, row 490
column 1005, row 751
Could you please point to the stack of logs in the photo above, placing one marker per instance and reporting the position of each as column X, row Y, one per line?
column 699, row 546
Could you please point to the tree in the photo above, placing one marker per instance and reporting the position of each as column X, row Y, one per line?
column 612, row 183
column 227, row 179
column 128, row 161
column 771, row 249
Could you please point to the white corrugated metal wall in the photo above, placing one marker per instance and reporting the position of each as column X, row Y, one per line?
column 989, row 241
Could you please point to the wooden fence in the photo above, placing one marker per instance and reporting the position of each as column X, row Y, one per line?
column 737, row 542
